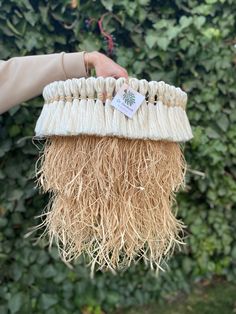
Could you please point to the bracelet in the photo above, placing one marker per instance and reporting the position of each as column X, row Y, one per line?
column 88, row 71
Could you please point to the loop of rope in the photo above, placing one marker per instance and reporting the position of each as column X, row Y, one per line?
column 105, row 88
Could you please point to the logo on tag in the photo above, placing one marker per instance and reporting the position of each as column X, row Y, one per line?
column 127, row 100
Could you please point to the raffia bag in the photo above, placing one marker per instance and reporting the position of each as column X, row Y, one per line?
column 112, row 179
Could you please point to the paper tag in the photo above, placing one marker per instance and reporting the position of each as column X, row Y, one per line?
column 127, row 100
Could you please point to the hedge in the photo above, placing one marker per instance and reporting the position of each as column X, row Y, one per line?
column 187, row 43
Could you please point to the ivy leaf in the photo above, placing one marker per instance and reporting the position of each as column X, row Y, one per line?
column 151, row 39
column 47, row 300
column 14, row 130
column 15, row 302
column 223, row 122
column 212, row 133
column 185, row 21
column 163, row 42
column 108, row 4
column 161, row 24
column 90, row 43
column 199, row 21
column 172, row 32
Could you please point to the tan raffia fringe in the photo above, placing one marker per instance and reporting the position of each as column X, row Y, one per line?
column 113, row 198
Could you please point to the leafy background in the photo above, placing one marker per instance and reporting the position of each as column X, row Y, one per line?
column 186, row 43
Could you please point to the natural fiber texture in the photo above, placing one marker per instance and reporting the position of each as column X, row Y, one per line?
column 113, row 198
column 83, row 106
column 112, row 179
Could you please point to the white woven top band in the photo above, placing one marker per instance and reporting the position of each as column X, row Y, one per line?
column 83, row 106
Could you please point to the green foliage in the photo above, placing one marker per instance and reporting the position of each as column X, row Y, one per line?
column 217, row 298
column 186, row 43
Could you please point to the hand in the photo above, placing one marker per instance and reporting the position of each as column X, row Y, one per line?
column 103, row 65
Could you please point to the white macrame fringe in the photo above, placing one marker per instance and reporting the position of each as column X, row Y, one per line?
column 83, row 106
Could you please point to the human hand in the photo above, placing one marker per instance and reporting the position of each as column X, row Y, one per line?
column 103, row 65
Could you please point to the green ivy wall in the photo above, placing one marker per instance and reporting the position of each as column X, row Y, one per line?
column 187, row 43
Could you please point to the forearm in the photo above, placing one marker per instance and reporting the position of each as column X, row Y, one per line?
column 22, row 78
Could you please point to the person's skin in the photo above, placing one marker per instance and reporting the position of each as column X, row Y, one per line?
column 103, row 65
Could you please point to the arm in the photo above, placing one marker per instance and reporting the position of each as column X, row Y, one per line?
column 22, row 78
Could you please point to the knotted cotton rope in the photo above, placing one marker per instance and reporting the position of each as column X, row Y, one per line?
column 113, row 179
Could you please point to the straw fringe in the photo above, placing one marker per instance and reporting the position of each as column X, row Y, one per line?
column 113, row 180
column 113, row 198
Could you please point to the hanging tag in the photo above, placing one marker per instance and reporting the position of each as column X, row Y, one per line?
column 127, row 100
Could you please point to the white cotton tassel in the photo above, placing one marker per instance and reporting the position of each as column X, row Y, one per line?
column 47, row 125
column 162, row 112
column 182, row 98
column 133, row 127
column 174, row 127
column 98, row 119
column 171, row 122
column 180, row 133
column 110, row 83
column 154, row 130
column 119, row 121
column 159, row 124
column 66, row 115
column 175, row 116
column 55, row 125
column 38, row 127
column 88, row 127
column 53, row 98
column 74, row 113
column 142, row 112
column 39, row 132
column 82, row 105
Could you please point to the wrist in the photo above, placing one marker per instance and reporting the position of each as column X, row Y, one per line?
column 90, row 59
column 73, row 64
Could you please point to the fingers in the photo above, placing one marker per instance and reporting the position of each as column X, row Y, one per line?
column 121, row 72
column 105, row 67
